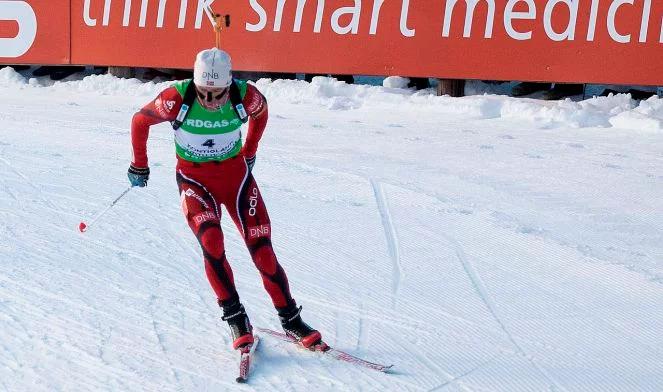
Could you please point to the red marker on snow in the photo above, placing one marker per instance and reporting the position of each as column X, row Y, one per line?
column 82, row 227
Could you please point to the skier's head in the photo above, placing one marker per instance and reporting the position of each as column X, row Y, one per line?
column 212, row 68
column 212, row 77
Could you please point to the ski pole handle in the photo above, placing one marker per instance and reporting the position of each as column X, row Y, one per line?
column 82, row 227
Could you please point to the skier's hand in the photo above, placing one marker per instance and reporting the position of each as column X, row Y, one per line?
column 138, row 176
column 250, row 162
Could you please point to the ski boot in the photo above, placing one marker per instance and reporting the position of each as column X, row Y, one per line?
column 292, row 324
column 241, row 330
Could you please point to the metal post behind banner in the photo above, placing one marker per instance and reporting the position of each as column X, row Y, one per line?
column 215, row 19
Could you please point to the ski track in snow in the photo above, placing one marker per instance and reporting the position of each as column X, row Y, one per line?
column 27, row 181
column 458, row 378
column 490, row 304
column 392, row 240
column 162, row 346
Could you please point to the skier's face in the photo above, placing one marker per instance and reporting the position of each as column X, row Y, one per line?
column 212, row 98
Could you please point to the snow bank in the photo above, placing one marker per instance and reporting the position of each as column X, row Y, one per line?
column 618, row 111
column 647, row 116
column 329, row 92
column 11, row 78
column 396, row 82
column 110, row 85
column 594, row 112
column 101, row 84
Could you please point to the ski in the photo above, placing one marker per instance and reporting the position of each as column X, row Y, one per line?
column 246, row 354
column 324, row 348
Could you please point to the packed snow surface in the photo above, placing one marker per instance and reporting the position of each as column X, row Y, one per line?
column 482, row 243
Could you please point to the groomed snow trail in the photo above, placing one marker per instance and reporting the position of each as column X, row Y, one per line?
column 476, row 248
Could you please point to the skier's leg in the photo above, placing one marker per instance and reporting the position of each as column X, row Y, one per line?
column 203, row 216
column 250, row 216
column 249, row 213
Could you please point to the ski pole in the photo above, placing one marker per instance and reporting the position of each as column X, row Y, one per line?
column 84, row 226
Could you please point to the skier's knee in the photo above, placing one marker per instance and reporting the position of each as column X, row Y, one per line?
column 265, row 260
column 212, row 242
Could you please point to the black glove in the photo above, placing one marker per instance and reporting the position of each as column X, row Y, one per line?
column 250, row 162
column 138, row 176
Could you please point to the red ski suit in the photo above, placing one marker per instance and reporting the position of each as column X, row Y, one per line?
column 204, row 187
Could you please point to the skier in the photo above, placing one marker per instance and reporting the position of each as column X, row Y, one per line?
column 214, row 168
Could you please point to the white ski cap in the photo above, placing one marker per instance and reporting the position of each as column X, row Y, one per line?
column 212, row 68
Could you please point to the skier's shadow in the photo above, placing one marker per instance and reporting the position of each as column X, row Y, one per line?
column 278, row 358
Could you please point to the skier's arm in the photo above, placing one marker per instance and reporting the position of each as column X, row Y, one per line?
column 164, row 108
column 256, row 106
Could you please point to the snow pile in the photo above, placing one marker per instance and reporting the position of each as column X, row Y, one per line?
column 396, row 82
column 594, row 112
column 478, row 107
column 9, row 78
column 100, row 84
column 612, row 111
column 618, row 111
column 647, row 116
column 330, row 93
column 111, row 85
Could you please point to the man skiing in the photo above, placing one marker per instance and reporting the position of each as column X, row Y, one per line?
column 214, row 168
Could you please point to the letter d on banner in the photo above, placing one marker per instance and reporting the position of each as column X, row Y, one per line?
column 24, row 15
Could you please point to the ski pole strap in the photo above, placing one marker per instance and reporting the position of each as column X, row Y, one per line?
column 187, row 102
column 236, row 101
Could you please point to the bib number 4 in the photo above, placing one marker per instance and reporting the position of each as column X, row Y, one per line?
column 209, row 143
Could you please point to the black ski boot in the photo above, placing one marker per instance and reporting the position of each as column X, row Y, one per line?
column 292, row 324
column 241, row 330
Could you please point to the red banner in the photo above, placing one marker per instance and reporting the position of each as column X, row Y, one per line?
column 599, row 41
column 140, row 32
column 34, row 32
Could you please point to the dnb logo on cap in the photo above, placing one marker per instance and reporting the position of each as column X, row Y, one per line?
column 211, row 78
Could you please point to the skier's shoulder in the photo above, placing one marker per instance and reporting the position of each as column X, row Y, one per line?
column 180, row 87
column 253, row 99
column 242, row 86
column 168, row 103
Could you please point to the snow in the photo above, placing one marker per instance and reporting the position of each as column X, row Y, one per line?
column 396, row 82
column 482, row 243
column 9, row 77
